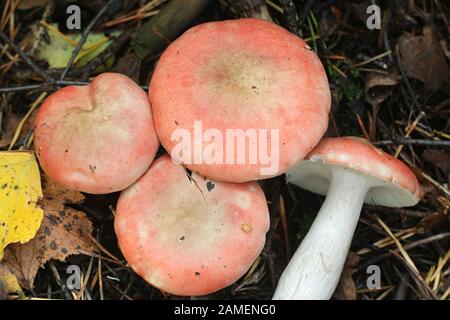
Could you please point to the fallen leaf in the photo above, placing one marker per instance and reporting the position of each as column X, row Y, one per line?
column 61, row 196
column 439, row 158
column 20, row 189
column 378, row 87
column 58, row 50
column 64, row 231
column 422, row 58
column 346, row 289
column 8, row 283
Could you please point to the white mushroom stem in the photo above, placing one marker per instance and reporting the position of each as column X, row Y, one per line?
column 314, row 271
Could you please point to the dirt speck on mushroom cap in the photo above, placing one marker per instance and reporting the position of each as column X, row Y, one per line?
column 187, row 240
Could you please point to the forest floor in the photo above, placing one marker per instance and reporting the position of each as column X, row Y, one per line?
column 389, row 84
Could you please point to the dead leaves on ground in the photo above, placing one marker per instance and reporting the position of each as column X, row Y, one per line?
column 64, row 231
column 8, row 283
column 439, row 158
column 378, row 87
column 422, row 58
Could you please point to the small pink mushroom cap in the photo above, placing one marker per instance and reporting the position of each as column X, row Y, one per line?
column 244, row 74
column 98, row 138
column 187, row 235
column 395, row 185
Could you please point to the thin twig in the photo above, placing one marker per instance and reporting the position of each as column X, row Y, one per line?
column 407, row 141
column 409, row 246
column 25, row 57
column 25, row 118
column 46, row 85
column 401, row 211
column 399, row 246
column 417, row 277
column 106, row 54
column 43, row 85
column 83, row 38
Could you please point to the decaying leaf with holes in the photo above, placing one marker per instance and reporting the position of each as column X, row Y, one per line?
column 64, row 231
column 20, row 190
column 8, row 283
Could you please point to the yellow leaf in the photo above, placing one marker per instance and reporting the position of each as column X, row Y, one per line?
column 59, row 49
column 20, row 189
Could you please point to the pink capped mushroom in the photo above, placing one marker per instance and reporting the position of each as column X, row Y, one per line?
column 350, row 171
column 187, row 235
column 98, row 138
column 239, row 100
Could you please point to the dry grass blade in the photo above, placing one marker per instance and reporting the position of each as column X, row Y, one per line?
column 399, row 245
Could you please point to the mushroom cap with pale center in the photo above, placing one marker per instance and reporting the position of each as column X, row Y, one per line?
column 393, row 183
column 97, row 138
column 187, row 235
column 249, row 75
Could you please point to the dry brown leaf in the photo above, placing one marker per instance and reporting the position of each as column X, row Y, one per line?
column 8, row 282
column 439, row 158
column 64, row 231
column 422, row 58
column 52, row 191
column 378, row 87
column 346, row 289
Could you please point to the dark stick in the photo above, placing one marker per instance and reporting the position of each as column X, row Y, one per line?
column 421, row 285
column 25, row 57
column 401, row 211
column 419, row 142
column 174, row 18
column 83, row 39
column 59, row 83
column 24, row 88
column 44, row 85
column 100, row 59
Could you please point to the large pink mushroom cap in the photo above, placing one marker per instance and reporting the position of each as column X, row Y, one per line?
column 187, row 235
column 98, row 138
column 249, row 75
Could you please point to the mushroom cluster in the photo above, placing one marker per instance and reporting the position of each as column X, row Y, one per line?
column 231, row 102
